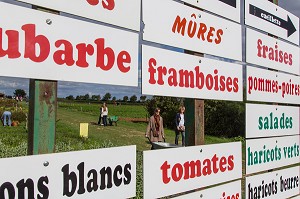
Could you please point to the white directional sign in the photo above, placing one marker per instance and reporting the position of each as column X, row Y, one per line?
column 270, row 153
column 269, row 86
column 266, row 16
column 124, row 13
column 227, row 8
column 169, row 73
column 87, row 174
column 46, row 46
column 175, row 24
column 176, row 170
column 270, row 52
column 271, row 120
column 277, row 184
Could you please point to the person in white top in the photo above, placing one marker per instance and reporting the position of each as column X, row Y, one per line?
column 104, row 113
column 180, row 127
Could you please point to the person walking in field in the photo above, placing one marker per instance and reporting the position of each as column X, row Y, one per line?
column 155, row 129
column 180, row 126
column 104, row 113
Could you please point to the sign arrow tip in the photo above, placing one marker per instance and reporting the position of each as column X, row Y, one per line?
column 290, row 27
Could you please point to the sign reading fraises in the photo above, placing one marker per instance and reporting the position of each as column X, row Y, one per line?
column 40, row 45
column 270, row 153
column 89, row 174
column 169, row 73
column 191, row 29
column 269, row 120
column 124, row 13
column 230, row 190
column 269, row 52
column 191, row 168
column 269, row 86
column 226, row 8
column 270, row 18
column 276, row 184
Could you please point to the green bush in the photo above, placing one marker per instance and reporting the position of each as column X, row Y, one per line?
column 224, row 118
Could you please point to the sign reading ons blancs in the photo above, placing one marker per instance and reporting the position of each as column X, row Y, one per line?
column 277, row 184
column 269, row 86
column 169, row 73
column 227, row 8
column 270, row 120
column 124, row 13
column 191, row 29
column 269, row 153
column 270, row 18
column 89, row 174
column 191, row 168
column 46, row 46
column 270, row 52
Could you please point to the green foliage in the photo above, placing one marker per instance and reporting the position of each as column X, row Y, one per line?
column 168, row 106
column 133, row 98
column 106, row 97
column 20, row 93
column 224, row 118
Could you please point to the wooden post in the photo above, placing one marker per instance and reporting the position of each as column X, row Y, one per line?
column 42, row 113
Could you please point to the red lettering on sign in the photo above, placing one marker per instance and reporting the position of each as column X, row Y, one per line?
column 107, row 4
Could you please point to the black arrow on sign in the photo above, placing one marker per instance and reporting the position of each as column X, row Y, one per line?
column 287, row 25
column 229, row 2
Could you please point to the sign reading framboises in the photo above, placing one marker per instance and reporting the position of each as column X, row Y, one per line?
column 124, row 13
column 89, row 174
column 169, row 73
column 277, row 184
column 191, row 168
column 40, row 45
column 270, row 153
column 175, row 24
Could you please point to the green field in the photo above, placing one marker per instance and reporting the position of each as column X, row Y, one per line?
column 130, row 130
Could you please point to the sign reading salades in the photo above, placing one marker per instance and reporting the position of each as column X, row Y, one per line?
column 269, row 86
column 230, row 190
column 268, row 17
column 270, row 52
column 191, row 29
column 270, row 153
column 40, row 45
column 226, row 8
column 169, row 73
column 191, row 168
column 271, row 120
column 276, row 184
column 89, row 174
column 124, row 13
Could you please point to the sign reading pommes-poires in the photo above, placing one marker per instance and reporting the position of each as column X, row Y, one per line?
column 40, row 45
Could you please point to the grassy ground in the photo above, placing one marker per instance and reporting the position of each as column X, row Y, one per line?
column 130, row 130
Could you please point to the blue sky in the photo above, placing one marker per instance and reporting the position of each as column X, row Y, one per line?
column 9, row 84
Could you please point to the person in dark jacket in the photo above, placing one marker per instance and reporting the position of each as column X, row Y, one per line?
column 180, row 125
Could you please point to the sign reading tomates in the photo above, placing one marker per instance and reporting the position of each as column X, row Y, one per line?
column 169, row 73
column 89, row 174
column 40, row 45
column 191, row 168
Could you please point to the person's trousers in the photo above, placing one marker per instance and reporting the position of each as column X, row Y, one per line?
column 7, row 119
column 177, row 137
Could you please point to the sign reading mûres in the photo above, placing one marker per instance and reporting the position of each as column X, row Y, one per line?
column 40, row 45
column 270, row 18
column 169, row 73
column 269, row 153
column 124, row 13
column 276, row 184
column 191, row 29
column 269, row 86
column 226, row 8
column 89, row 174
column 230, row 190
column 271, row 120
column 273, row 53
column 191, row 168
